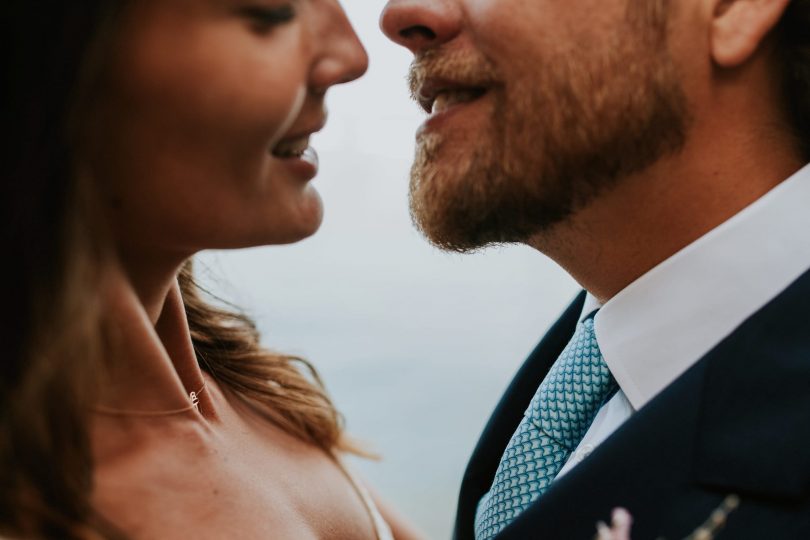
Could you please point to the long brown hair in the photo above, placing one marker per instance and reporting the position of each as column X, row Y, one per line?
column 284, row 389
column 56, row 253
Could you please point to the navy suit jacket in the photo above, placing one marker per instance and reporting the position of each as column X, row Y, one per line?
column 737, row 422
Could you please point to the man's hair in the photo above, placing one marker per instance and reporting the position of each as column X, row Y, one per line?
column 794, row 49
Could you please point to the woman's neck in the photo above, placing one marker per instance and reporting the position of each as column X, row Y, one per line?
column 152, row 364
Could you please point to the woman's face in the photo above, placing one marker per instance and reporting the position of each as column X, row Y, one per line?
column 199, row 134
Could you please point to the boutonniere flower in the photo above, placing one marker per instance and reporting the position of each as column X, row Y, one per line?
column 622, row 523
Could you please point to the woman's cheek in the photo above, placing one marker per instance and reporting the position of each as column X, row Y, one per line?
column 291, row 112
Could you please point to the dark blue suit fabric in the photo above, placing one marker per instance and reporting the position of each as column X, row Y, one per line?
column 737, row 422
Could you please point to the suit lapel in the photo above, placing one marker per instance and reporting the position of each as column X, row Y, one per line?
column 503, row 422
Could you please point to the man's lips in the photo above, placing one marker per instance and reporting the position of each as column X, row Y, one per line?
column 436, row 95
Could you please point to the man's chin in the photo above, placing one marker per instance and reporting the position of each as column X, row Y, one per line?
column 464, row 198
column 467, row 210
column 446, row 238
column 453, row 222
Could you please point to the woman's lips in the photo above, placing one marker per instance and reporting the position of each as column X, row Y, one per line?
column 310, row 156
column 298, row 156
column 296, row 153
column 291, row 147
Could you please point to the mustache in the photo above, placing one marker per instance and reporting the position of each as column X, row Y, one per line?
column 464, row 69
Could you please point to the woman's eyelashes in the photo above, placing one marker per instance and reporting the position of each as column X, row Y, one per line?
column 264, row 18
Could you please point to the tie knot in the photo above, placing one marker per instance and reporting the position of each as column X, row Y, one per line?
column 574, row 389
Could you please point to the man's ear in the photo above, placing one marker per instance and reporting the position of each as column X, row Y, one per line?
column 739, row 26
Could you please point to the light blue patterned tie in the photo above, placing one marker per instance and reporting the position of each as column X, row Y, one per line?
column 558, row 417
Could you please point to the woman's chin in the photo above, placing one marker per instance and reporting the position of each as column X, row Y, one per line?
column 279, row 225
column 304, row 233
column 304, row 222
column 311, row 213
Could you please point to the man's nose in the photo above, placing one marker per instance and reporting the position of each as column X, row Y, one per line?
column 420, row 25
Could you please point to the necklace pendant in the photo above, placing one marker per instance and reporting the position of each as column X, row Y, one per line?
column 195, row 401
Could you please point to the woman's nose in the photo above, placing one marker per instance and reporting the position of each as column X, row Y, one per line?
column 420, row 25
column 344, row 59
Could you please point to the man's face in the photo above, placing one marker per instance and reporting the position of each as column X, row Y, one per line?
column 537, row 108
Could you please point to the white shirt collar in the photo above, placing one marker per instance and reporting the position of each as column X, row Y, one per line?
column 661, row 324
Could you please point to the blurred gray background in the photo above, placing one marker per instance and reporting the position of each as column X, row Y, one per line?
column 414, row 345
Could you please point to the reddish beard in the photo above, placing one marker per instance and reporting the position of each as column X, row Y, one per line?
column 549, row 147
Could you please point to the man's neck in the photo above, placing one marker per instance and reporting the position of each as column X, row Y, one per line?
column 649, row 217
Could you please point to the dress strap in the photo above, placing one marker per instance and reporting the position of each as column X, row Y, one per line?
column 381, row 528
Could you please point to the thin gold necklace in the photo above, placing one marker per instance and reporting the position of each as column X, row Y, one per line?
column 194, row 397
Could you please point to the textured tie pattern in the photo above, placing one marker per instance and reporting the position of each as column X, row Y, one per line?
column 558, row 417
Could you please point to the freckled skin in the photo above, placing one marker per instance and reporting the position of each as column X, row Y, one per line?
column 241, row 478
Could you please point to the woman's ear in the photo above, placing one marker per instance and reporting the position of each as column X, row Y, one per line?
column 738, row 28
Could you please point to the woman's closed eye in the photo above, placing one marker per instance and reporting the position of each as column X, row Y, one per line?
column 264, row 18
